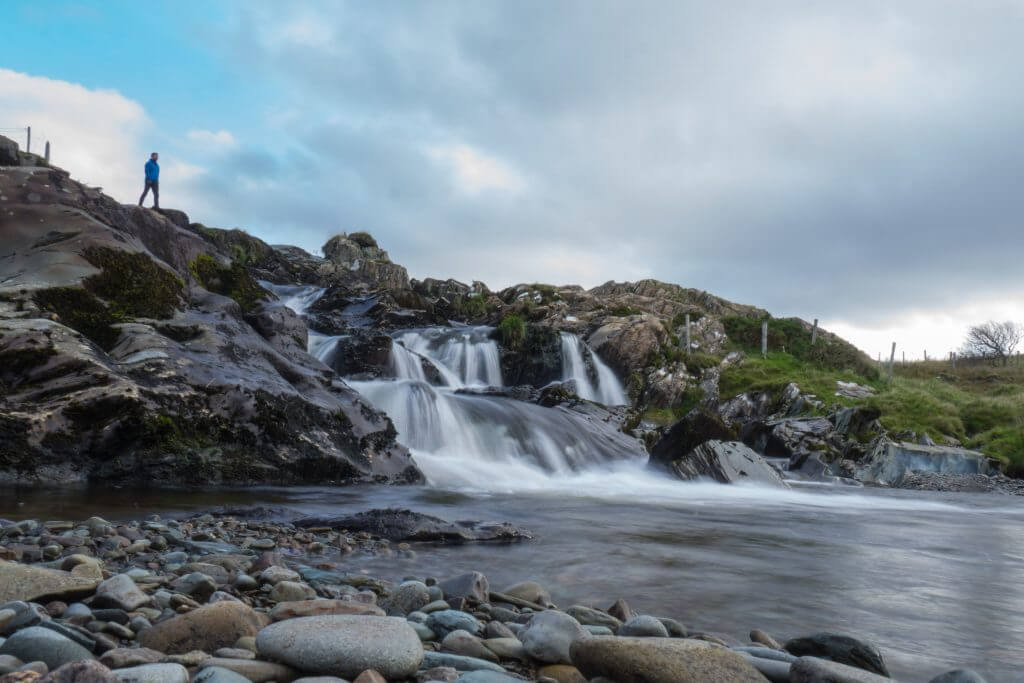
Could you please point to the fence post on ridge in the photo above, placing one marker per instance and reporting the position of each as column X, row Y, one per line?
column 814, row 332
column 764, row 339
column 28, row 139
column 687, row 334
column 892, row 359
column 46, row 156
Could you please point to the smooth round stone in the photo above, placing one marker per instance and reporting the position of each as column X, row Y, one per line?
column 291, row 591
column 774, row 670
column 469, row 585
column 36, row 643
column 275, row 574
column 462, row 643
column 588, row 616
column 767, row 653
column 675, row 628
column 344, row 645
column 435, row 606
column 561, row 673
column 254, row 670
column 318, row 679
column 407, row 597
column 424, row 633
column 496, row 629
column 839, row 648
column 548, row 635
column 7, row 616
column 416, row 617
column 447, row 620
column 197, row 585
column 432, row 660
column 9, row 663
column 661, row 660
column 480, row 676
column 245, row 583
column 218, row 674
column 530, row 591
column 815, row 670
column 643, row 626
column 506, row 648
column 234, row 653
column 153, row 673
column 598, row 630
column 121, row 592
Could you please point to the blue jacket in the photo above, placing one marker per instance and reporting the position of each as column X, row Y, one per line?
column 152, row 170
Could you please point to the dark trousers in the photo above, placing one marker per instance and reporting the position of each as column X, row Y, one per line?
column 155, row 186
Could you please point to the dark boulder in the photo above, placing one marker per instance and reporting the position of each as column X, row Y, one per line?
column 726, row 462
column 841, row 649
column 697, row 427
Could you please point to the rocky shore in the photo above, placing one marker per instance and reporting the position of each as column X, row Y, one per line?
column 220, row 598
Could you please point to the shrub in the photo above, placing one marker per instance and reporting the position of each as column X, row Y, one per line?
column 363, row 239
column 512, row 330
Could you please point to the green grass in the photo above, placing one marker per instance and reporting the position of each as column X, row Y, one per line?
column 779, row 369
column 512, row 330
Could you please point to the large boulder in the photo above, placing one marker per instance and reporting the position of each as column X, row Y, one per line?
column 630, row 343
column 694, row 429
column 889, row 461
column 9, row 152
column 132, row 348
column 839, row 648
column 727, row 462
column 24, row 582
column 357, row 256
column 208, row 628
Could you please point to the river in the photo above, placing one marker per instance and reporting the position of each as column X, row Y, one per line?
column 936, row 580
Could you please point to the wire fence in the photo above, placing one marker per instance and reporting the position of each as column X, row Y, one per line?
column 24, row 136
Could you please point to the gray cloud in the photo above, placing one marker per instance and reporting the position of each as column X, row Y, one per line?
column 858, row 158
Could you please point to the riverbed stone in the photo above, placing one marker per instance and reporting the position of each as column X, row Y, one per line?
column 25, row 582
column 370, row 676
column 817, row 670
column 496, row 629
column 275, row 574
column 121, row 592
column 530, row 591
column 660, row 660
column 89, row 671
column 36, row 643
column 127, row 657
column 462, row 643
column 469, row 585
column 344, row 645
column 208, row 628
column 959, row 676
column 763, row 638
column 767, row 653
column 218, row 674
column 9, row 663
column 561, row 673
column 291, row 591
column 548, row 636
column 407, row 597
column 643, row 626
column 197, row 585
column 254, row 670
column 839, row 648
column 322, row 606
column 445, row 621
column 483, row 676
column 153, row 673
column 774, row 670
column 593, row 617
column 458, row 662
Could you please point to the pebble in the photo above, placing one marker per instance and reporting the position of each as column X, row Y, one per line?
column 839, row 648
column 196, row 585
column 481, row 676
column 218, row 674
column 816, row 670
column 344, row 645
column 762, row 638
column 458, row 662
column 531, row 591
column 320, row 607
column 661, row 660
column 291, row 591
column 774, row 670
column 208, row 628
column 506, row 648
column 561, row 673
column 120, row 591
column 153, row 673
column 125, row 657
column 588, row 616
column 959, row 676
column 548, row 636
column 462, row 643
column 470, row 585
column 643, row 626
column 445, row 621
column 38, row 643
column 254, row 670
column 407, row 597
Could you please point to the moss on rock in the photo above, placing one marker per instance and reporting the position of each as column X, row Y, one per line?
column 133, row 283
column 232, row 280
column 83, row 312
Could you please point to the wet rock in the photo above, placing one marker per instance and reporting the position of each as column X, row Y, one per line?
column 483, row 676
column 462, row 643
column 370, row 676
column 593, row 617
column 561, row 673
column 126, row 657
column 153, row 673
column 407, row 597
column 726, row 462
column 344, row 645
column 470, row 585
column 121, row 592
column 406, row 525
column 620, row 610
column 767, row 653
column 816, row 670
column 253, row 670
column 291, row 591
column 81, row 672
column 506, row 648
column 548, row 636
column 9, row 663
column 23, row 582
column 320, row 607
column 458, row 662
column 445, row 621
column 218, row 674
column 36, row 643
column 841, row 649
column 888, row 462
column 496, row 629
column 643, row 626
column 661, row 660
column 275, row 575
column 531, row 591
column 772, row 669
column 197, row 585
column 208, row 628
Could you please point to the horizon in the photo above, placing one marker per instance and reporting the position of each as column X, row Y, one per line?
column 852, row 165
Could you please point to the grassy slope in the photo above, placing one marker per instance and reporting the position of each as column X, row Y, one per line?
column 982, row 406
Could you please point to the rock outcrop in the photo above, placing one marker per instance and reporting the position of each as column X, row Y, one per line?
column 728, row 462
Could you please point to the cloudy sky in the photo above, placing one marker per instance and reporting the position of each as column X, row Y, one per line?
column 862, row 163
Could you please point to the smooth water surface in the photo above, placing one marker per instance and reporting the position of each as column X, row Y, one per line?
column 937, row 580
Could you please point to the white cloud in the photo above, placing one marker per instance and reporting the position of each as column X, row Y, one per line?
column 95, row 134
column 222, row 139
column 475, row 171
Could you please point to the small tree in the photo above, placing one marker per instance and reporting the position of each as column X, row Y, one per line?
column 993, row 340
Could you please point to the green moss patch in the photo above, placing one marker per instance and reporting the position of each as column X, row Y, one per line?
column 81, row 311
column 133, row 284
column 233, row 281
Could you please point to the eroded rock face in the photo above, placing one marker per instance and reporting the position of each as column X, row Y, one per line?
column 176, row 384
column 727, row 462
column 889, row 462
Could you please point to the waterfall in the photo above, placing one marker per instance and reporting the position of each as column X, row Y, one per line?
column 604, row 387
column 464, row 356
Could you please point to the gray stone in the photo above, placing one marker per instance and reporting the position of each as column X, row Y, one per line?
column 275, row 575
column 890, row 461
column 598, row 630
column 727, row 462
column 774, row 670
column 530, row 591
column 767, row 653
column 482, row 676
column 291, row 591
column 458, row 662
column 661, row 660
column 841, row 649
column 548, row 636
column 9, row 663
column 462, row 643
column 36, row 643
column 344, row 645
column 496, row 629
column 594, row 617
column 471, row 585
column 120, row 591
column 506, row 648
column 153, row 673
column 197, row 585
column 254, row 670
column 407, row 597
column 125, row 657
column 435, row 606
column 445, row 621
column 958, row 676
column 218, row 674
column 425, row 634
column 25, row 582
column 816, row 670
column 644, row 626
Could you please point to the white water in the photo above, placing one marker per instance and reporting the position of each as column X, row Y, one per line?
column 604, row 388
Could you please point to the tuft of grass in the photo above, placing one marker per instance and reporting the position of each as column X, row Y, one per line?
column 512, row 329
column 363, row 239
column 773, row 373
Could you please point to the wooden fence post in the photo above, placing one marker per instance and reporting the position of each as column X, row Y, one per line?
column 46, row 155
column 892, row 359
column 28, row 139
column 952, row 355
column 764, row 339
column 904, row 357
column 814, row 332
column 687, row 334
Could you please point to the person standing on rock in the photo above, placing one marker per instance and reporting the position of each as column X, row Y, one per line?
column 152, row 180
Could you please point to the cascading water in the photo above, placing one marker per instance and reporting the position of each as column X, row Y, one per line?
column 462, row 435
column 604, row 388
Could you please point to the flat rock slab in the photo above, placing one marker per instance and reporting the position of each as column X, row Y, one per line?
column 660, row 660
column 38, row 644
column 406, row 525
column 344, row 645
column 32, row 584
